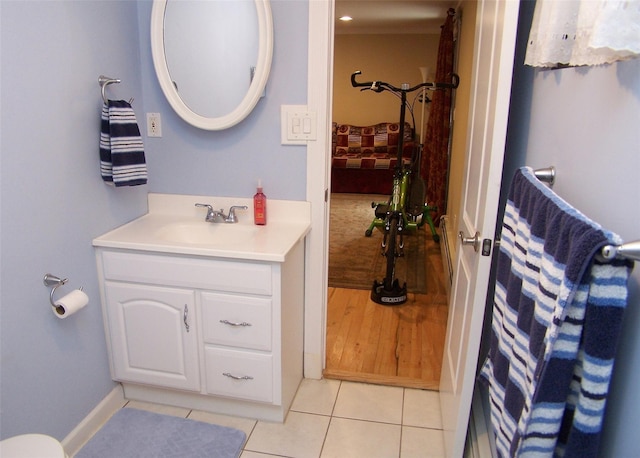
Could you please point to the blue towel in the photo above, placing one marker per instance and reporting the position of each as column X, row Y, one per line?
column 557, row 314
column 122, row 160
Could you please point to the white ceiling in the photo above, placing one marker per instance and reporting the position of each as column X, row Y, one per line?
column 392, row 16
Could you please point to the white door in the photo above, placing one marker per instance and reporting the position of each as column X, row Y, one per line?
column 496, row 24
column 153, row 335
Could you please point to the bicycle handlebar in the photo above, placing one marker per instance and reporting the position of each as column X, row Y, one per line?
column 379, row 86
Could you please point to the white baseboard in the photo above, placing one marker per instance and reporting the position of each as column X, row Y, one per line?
column 93, row 422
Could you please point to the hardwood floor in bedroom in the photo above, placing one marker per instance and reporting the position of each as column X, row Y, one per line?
column 398, row 345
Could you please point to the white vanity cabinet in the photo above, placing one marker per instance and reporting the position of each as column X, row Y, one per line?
column 223, row 335
column 206, row 316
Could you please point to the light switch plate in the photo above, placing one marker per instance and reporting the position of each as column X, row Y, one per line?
column 298, row 124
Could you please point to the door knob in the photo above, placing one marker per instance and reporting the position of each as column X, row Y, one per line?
column 475, row 240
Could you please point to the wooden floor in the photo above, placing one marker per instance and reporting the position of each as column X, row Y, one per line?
column 390, row 345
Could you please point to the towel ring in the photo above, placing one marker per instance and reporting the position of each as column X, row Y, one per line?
column 104, row 81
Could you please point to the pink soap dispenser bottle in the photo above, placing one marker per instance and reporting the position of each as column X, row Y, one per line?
column 260, row 206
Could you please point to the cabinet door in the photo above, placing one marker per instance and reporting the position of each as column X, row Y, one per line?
column 153, row 335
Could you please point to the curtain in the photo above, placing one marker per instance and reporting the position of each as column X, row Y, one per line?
column 435, row 157
column 583, row 32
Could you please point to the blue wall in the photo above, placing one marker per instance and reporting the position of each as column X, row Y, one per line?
column 53, row 202
column 187, row 160
column 585, row 122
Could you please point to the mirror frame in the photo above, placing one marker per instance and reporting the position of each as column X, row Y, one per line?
column 256, row 89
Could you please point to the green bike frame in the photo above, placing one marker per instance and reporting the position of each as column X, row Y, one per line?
column 397, row 204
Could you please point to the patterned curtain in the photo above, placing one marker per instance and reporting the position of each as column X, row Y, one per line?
column 435, row 157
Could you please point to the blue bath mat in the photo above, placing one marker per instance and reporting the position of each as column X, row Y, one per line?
column 138, row 433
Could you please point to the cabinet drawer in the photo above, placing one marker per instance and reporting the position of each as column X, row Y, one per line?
column 239, row 374
column 237, row 321
column 222, row 275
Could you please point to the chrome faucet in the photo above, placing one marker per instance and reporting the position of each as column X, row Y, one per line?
column 232, row 218
column 212, row 215
column 215, row 216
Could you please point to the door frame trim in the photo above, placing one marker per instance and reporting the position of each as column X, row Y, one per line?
column 319, row 100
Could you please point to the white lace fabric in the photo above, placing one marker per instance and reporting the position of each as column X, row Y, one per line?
column 583, row 32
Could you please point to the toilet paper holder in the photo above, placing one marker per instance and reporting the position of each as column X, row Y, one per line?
column 53, row 282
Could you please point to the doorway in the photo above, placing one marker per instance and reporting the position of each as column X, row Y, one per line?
column 365, row 341
column 492, row 21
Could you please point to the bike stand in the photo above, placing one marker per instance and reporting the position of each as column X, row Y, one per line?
column 380, row 210
column 397, row 295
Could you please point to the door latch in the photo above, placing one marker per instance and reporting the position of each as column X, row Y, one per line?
column 486, row 247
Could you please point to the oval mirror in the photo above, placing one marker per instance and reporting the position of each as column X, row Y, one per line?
column 212, row 57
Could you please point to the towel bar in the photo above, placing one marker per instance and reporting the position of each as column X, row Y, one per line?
column 546, row 175
column 629, row 250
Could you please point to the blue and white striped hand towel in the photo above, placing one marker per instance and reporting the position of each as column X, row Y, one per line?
column 122, row 160
column 557, row 314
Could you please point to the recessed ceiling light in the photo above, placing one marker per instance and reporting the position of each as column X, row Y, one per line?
column 346, row 18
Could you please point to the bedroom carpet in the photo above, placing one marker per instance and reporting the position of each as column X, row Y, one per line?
column 138, row 433
column 355, row 260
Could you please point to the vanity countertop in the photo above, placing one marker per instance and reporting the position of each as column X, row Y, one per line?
column 175, row 225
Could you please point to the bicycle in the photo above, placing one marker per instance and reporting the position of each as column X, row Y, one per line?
column 405, row 210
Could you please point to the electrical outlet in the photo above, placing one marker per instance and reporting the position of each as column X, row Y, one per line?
column 154, row 125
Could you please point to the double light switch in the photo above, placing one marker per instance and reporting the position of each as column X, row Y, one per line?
column 298, row 125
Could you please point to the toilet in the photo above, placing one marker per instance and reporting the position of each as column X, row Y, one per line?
column 31, row 446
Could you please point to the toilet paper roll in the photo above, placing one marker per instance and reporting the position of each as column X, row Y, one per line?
column 70, row 304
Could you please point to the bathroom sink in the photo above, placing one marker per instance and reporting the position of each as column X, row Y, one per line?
column 173, row 224
column 203, row 233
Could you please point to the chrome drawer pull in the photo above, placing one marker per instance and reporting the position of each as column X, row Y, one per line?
column 235, row 377
column 231, row 323
column 185, row 317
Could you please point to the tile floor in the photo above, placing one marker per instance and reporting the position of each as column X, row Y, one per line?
column 330, row 418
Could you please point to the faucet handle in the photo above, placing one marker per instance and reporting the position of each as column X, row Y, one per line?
column 232, row 218
column 207, row 206
column 210, row 211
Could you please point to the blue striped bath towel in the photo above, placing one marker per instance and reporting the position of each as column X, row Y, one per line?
column 122, row 160
column 557, row 314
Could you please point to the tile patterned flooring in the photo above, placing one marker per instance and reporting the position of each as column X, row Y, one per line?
column 339, row 419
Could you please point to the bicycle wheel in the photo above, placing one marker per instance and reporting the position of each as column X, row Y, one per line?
column 389, row 291
column 391, row 253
